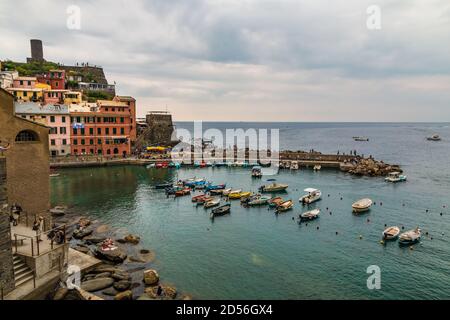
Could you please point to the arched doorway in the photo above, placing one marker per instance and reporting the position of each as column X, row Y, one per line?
column 116, row 151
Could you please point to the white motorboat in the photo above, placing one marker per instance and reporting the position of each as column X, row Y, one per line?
column 226, row 192
column 211, row 203
column 395, row 177
column 294, row 165
column 273, row 187
column 362, row 205
column 410, row 237
column 310, row 215
column 391, row 233
column 311, row 196
column 317, row 167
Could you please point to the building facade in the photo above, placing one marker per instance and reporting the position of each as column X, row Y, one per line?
column 56, row 79
column 105, row 128
column 27, row 160
column 54, row 116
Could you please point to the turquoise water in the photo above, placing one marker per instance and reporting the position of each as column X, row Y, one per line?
column 254, row 254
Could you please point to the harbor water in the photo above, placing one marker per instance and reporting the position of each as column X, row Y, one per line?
column 255, row 254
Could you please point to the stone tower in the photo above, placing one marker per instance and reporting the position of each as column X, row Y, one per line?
column 159, row 130
column 37, row 53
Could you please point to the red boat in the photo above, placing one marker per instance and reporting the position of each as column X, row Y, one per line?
column 203, row 164
column 162, row 165
column 182, row 192
column 204, row 199
column 198, row 197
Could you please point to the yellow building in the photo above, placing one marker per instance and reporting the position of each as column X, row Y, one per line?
column 72, row 97
column 26, row 94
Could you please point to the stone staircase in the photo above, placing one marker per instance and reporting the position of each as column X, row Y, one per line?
column 22, row 273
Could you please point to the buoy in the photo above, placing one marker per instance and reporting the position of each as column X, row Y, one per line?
column 341, row 198
column 327, row 208
column 317, row 228
column 426, row 233
column 381, row 203
column 368, row 220
column 337, row 233
column 330, row 213
column 403, row 227
column 441, row 213
column 403, row 205
column 360, row 237
column 426, row 210
column 292, row 218
column 385, row 225
column 381, row 242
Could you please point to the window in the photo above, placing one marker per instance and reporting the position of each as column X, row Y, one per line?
column 56, row 84
column 52, row 142
column 62, row 151
column 21, row 82
column 99, row 130
column 25, row 93
column 91, row 141
column 75, row 131
column 27, row 135
column 52, row 118
column 91, row 131
column 82, row 131
column 29, row 83
column 63, row 119
column 83, row 142
column 91, row 151
column 53, row 130
column 64, row 142
column 75, row 142
column 106, row 130
column 122, row 119
column 75, row 151
column 83, row 151
column 99, row 141
column 62, row 130
column 114, row 130
column 122, row 131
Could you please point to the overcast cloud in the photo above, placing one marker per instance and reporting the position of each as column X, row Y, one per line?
column 253, row 60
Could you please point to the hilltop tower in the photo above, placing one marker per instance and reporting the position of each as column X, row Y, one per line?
column 37, row 53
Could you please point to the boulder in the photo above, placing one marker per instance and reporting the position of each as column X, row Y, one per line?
column 93, row 240
column 84, row 222
column 60, row 293
column 122, row 285
column 102, row 229
column 97, row 284
column 117, row 255
column 126, row 295
column 151, row 277
column 167, row 292
column 132, row 239
column 136, row 259
column 81, row 233
column 103, row 275
column 120, row 275
column 110, row 292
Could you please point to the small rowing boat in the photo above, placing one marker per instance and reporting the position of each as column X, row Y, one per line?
column 391, row 233
column 274, row 202
column 259, row 201
column 285, row 206
column 434, row 137
column 310, row 215
column 211, row 203
column 182, row 192
column 410, row 237
column 220, row 211
column 362, row 205
column 198, row 197
column 226, row 192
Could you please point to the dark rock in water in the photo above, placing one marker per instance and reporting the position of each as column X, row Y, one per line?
column 144, row 251
column 110, row 292
column 132, row 239
column 151, row 277
column 121, row 241
column 60, row 293
column 136, row 259
column 81, row 233
column 58, row 211
column 103, row 275
column 121, row 275
column 93, row 240
column 117, row 255
column 126, row 295
column 122, row 285
column 97, row 284
column 102, row 229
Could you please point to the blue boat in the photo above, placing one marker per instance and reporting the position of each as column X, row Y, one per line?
column 215, row 187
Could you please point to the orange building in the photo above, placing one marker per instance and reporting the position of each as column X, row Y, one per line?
column 103, row 128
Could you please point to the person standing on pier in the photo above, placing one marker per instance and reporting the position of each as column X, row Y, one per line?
column 16, row 210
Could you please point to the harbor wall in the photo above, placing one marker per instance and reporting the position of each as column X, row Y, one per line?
column 6, row 256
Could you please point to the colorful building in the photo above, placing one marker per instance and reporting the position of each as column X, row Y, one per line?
column 104, row 128
column 54, row 116
column 72, row 97
column 26, row 94
column 54, row 96
column 25, row 82
column 56, row 79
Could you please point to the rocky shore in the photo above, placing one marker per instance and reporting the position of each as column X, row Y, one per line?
column 126, row 273
column 369, row 167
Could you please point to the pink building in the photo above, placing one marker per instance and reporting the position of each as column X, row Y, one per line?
column 56, row 117
column 25, row 82
column 54, row 96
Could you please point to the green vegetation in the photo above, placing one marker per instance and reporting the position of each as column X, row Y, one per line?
column 92, row 96
column 29, row 69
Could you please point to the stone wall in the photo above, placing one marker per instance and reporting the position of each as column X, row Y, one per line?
column 6, row 259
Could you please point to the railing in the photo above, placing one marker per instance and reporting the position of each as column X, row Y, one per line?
column 36, row 240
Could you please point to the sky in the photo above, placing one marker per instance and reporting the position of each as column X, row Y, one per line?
column 252, row 60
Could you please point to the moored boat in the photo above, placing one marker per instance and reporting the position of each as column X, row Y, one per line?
column 215, row 187
column 226, row 192
column 391, row 233
column 234, row 193
column 274, row 202
column 317, row 167
column 311, row 196
column 239, row 195
column 257, row 172
column 198, row 197
column 203, row 200
column 163, row 185
column 220, row 211
column 362, row 205
column 211, row 203
column 285, row 206
column 261, row 200
column 360, row 138
column 310, row 215
column 395, row 177
column 273, row 187
column 410, row 237
column 294, row 165
column 434, row 137
column 182, row 192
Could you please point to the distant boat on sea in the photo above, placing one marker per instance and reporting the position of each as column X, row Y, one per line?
column 434, row 137
column 360, row 138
